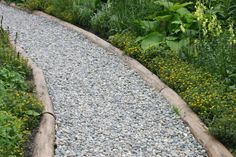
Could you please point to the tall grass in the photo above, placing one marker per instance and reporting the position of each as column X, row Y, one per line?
column 119, row 16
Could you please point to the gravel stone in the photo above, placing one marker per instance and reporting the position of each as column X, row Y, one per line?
column 103, row 107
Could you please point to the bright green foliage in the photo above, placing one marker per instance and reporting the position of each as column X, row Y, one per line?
column 11, row 135
column 11, row 79
column 173, row 26
column 10, row 60
column 19, row 109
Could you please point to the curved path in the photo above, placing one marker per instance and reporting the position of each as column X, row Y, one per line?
column 103, row 107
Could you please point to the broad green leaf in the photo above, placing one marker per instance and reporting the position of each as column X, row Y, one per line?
column 177, row 22
column 182, row 28
column 176, row 31
column 165, row 3
column 174, row 45
column 148, row 25
column 140, row 38
column 163, row 18
column 177, row 45
column 184, row 42
column 183, row 11
column 190, row 18
column 233, row 87
column 171, row 38
column 152, row 39
column 177, row 6
column 32, row 113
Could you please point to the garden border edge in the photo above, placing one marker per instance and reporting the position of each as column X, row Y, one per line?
column 199, row 130
column 44, row 141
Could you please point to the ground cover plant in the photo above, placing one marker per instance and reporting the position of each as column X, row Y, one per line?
column 190, row 45
column 19, row 109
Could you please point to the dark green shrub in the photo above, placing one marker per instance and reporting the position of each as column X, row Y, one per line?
column 99, row 22
column 84, row 10
column 62, row 9
column 35, row 4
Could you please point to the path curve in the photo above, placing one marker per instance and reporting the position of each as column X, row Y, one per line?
column 103, row 107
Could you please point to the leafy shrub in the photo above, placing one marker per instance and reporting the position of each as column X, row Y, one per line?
column 173, row 26
column 214, row 49
column 12, row 80
column 84, row 10
column 21, row 104
column 99, row 22
column 10, row 60
column 35, row 4
column 19, row 109
column 126, row 43
column 62, row 9
column 11, row 140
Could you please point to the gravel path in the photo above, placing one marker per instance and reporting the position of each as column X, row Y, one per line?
column 103, row 107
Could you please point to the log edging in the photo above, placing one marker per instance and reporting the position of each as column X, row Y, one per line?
column 44, row 141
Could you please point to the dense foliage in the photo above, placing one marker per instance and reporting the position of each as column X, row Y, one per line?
column 191, row 45
column 19, row 109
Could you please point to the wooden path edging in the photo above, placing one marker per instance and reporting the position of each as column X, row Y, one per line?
column 44, row 141
column 214, row 148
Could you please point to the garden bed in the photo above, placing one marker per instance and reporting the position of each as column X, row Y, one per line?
column 20, row 109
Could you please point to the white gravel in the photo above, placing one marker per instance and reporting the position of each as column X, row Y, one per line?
column 103, row 107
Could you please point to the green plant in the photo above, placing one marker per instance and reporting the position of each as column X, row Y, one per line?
column 12, row 80
column 215, row 47
column 176, row 110
column 84, row 10
column 99, row 22
column 173, row 27
column 11, row 140
column 35, row 4
column 19, row 110
column 9, row 59
column 119, row 16
column 62, row 9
